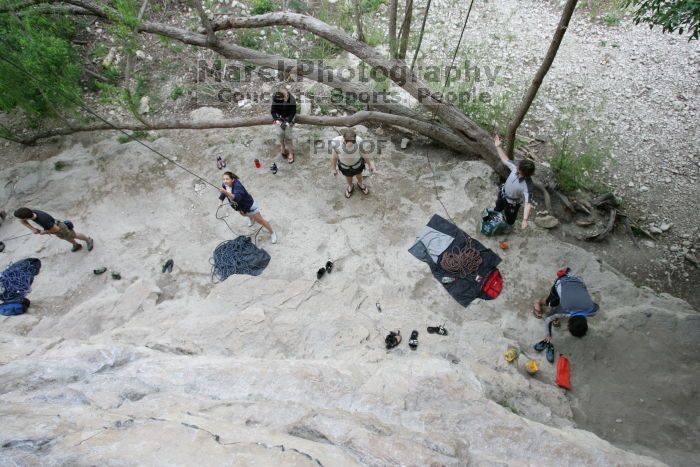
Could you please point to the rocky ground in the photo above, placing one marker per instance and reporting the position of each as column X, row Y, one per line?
column 285, row 368
column 635, row 88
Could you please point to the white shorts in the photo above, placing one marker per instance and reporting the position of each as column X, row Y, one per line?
column 254, row 209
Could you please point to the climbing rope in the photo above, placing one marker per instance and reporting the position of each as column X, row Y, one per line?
column 225, row 217
column 230, row 258
column 463, row 261
column 16, row 280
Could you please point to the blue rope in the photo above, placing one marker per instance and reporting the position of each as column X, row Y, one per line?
column 235, row 256
column 16, row 280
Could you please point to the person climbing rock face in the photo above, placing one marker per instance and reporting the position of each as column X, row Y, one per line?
column 241, row 201
column 283, row 110
column 51, row 226
column 517, row 189
column 350, row 159
column 568, row 298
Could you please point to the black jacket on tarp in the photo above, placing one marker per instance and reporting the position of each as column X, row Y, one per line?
column 441, row 236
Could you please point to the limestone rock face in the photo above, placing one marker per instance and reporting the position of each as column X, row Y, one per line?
column 284, row 369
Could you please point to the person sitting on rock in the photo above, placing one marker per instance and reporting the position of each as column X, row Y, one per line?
column 517, row 189
column 283, row 110
column 568, row 298
column 53, row 227
column 349, row 157
column 241, row 201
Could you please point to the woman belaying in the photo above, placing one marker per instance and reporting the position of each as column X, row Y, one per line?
column 240, row 200
column 350, row 158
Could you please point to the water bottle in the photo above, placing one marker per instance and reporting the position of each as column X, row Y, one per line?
column 257, row 163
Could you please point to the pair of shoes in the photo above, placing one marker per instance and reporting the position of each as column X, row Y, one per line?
column 220, row 163
column 273, row 237
column 327, row 269
column 273, row 168
column 90, row 244
column 168, row 266
column 544, row 345
column 437, row 330
column 392, row 339
column 76, row 247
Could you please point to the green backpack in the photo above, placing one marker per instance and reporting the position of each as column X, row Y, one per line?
column 492, row 223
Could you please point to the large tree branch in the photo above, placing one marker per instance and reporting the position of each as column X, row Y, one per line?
column 307, row 69
column 19, row 6
column 429, row 130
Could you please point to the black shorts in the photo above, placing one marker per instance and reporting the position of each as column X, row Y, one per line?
column 510, row 211
column 352, row 171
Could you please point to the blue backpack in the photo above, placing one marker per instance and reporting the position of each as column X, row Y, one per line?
column 14, row 307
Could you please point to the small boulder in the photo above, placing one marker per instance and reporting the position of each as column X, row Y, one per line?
column 404, row 143
column 546, row 222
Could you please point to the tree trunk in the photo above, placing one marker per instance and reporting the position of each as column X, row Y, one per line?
column 393, row 6
column 539, row 76
column 405, row 30
column 358, row 20
column 420, row 36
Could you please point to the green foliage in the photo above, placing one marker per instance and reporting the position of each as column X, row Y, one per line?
column 371, row 6
column 177, row 92
column 123, row 24
column 298, row 6
column 578, row 152
column 612, row 19
column 488, row 109
column 41, row 45
column 249, row 40
column 259, row 7
column 682, row 16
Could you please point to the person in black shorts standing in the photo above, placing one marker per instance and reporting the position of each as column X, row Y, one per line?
column 517, row 189
column 350, row 159
column 52, row 227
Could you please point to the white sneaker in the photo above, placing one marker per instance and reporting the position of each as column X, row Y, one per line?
column 273, row 237
column 250, row 222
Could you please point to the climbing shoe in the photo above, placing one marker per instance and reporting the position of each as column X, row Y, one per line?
column 329, row 266
column 540, row 346
column 168, row 266
column 2, row 247
column 90, row 244
column 550, row 353
column 320, row 273
column 413, row 341
column 99, row 271
column 116, row 276
column 76, row 247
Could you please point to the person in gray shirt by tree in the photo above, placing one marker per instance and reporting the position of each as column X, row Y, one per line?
column 517, row 189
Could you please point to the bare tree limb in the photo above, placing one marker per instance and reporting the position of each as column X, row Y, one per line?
column 393, row 7
column 420, row 36
column 539, row 76
column 211, row 37
column 429, row 130
column 405, row 30
column 358, row 19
